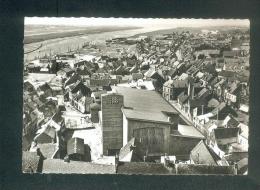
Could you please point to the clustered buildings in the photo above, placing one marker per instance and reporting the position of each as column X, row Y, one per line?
column 177, row 105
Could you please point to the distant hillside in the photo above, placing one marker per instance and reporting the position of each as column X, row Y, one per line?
column 38, row 33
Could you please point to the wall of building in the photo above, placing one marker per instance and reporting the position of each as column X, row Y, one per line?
column 112, row 121
column 155, row 136
column 227, row 141
column 125, row 130
column 182, row 146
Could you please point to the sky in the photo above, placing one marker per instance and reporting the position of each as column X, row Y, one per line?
column 139, row 22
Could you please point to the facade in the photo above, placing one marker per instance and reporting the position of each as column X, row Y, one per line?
column 112, row 123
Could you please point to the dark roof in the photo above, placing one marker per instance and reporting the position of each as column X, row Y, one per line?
column 44, row 87
column 141, row 168
column 74, row 167
column 222, row 133
column 75, row 146
column 30, row 162
column 232, row 122
column 204, row 169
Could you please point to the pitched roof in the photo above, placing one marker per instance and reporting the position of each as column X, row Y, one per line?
column 142, row 168
column 202, row 92
column 75, row 167
column 129, row 152
column 30, row 162
column 222, row 133
column 220, row 107
column 48, row 130
column 75, row 146
column 47, row 149
column 202, row 154
column 144, row 104
column 190, row 131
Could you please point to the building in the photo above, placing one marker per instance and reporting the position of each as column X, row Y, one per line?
column 149, row 118
column 112, row 122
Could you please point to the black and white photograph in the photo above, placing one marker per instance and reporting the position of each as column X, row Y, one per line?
column 148, row 96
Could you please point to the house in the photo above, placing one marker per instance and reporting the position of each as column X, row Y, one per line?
column 232, row 94
column 146, row 116
column 79, row 96
column 157, row 77
column 76, row 120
